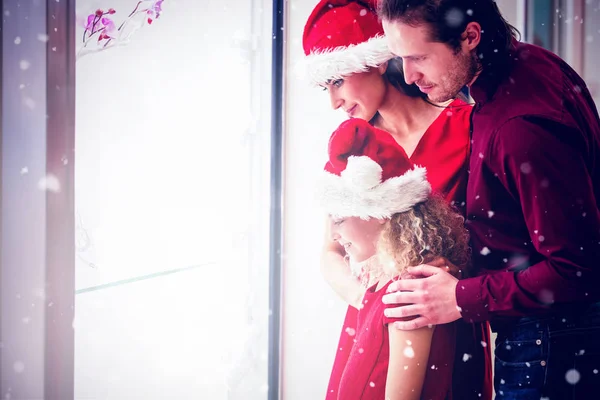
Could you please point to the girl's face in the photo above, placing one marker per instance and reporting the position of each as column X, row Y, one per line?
column 358, row 236
column 360, row 95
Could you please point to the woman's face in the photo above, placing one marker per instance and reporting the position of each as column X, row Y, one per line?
column 358, row 236
column 360, row 95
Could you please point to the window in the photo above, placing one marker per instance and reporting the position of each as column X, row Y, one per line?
column 567, row 27
column 172, row 181
column 591, row 55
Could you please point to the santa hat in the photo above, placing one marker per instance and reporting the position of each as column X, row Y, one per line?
column 369, row 175
column 343, row 37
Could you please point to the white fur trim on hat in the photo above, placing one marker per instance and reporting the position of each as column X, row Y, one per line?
column 337, row 63
column 359, row 192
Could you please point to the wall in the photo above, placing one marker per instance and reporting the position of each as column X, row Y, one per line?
column 313, row 315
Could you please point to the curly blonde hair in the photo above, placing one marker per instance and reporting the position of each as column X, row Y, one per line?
column 428, row 230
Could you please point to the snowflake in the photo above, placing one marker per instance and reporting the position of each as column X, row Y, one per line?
column 572, row 376
column 525, row 168
column 454, row 18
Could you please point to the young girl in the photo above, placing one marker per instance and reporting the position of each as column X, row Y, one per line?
column 347, row 56
column 381, row 208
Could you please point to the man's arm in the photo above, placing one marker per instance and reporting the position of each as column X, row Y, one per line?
column 549, row 177
column 542, row 164
column 337, row 272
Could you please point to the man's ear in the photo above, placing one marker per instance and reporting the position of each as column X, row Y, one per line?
column 471, row 36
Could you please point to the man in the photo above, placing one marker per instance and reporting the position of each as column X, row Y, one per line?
column 533, row 197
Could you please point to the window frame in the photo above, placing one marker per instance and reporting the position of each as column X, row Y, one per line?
column 46, row 368
column 37, row 240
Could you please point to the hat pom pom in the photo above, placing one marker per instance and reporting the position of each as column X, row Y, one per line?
column 362, row 173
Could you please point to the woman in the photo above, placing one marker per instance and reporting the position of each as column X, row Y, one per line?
column 381, row 208
column 347, row 56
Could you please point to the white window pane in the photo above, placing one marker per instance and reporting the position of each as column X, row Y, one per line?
column 171, row 187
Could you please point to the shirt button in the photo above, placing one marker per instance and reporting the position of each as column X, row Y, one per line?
column 543, row 363
column 538, row 342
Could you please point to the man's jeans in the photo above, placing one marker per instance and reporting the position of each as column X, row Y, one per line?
column 549, row 358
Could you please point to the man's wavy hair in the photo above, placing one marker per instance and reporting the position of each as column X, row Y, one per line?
column 447, row 20
column 428, row 230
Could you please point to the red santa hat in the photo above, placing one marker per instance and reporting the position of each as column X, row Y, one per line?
column 369, row 175
column 343, row 37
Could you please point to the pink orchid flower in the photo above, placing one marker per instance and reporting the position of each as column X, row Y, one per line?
column 99, row 23
column 154, row 11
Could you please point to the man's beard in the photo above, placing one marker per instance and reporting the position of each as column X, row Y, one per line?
column 463, row 72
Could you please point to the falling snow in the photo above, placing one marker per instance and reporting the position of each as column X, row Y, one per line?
column 525, row 168
column 409, row 352
column 454, row 17
column 49, row 183
column 29, row 103
column 546, row 296
column 19, row 367
column 24, row 65
column 572, row 376
column 485, row 251
column 466, row 357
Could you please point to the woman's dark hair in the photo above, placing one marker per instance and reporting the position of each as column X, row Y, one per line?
column 448, row 19
column 395, row 76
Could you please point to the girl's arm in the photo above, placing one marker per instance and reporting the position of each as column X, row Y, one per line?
column 337, row 271
column 409, row 354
